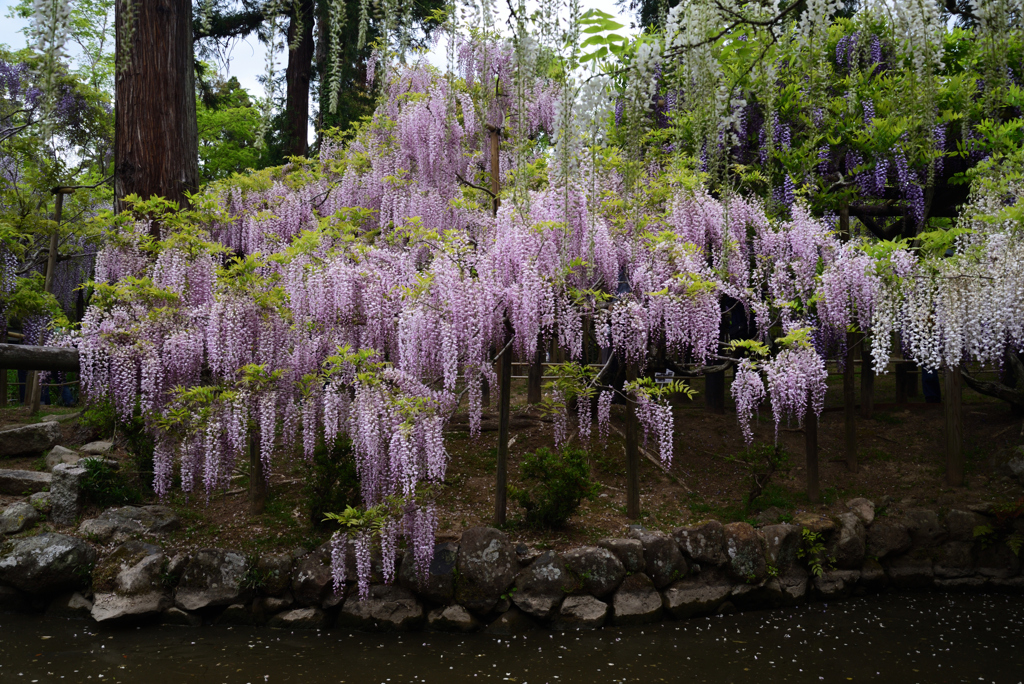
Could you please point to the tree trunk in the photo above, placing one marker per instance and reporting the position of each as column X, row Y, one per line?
column 535, row 377
column 257, row 477
column 714, row 391
column 954, row 427
column 295, row 140
column 156, row 143
column 632, row 451
column 811, row 433
column 849, row 403
column 504, row 414
column 867, row 380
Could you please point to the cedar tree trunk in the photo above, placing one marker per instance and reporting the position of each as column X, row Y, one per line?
column 156, row 141
column 297, row 77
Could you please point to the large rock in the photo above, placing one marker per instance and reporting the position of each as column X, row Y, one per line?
column 312, row 581
column 513, row 621
column 704, row 543
column 275, row 573
column 452, row 619
column 299, row 618
column 961, row 525
column 487, row 566
column 695, row 596
column 59, row 454
column 18, row 517
column 65, row 493
column 21, row 482
column 212, row 578
column 113, row 607
column 781, row 542
column 863, row 509
column 29, row 440
column 910, row 572
column 540, row 588
column 70, row 605
column 743, row 550
column 996, row 560
column 819, row 524
column 662, row 557
column 887, row 537
column 598, row 571
column 789, row 588
column 133, row 568
column 47, row 564
column 924, row 528
column 96, row 448
column 438, row 587
column 630, row 553
column 836, row 583
column 121, row 524
column 636, row 601
column 852, row 542
column 386, row 609
column 954, row 560
column 581, row 612
column 1016, row 467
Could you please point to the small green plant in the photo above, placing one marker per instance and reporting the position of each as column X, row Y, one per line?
column 332, row 483
column 763, row 461
column 255, row 578
column 812, row 551
column 1003, row 527
column 560, row 481
column 104, row 485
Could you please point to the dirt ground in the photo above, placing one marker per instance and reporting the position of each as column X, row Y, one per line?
column 901, row 454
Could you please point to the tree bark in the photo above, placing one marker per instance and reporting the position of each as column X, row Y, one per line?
column 156, row 141
column 504, row 415
column 295, row 140
column 811, row 433
column 954, row 427
column 257, row 476
column 849, row 403
column 33, row 357
column 867, row 380
column 535, row 377
column 632, row 451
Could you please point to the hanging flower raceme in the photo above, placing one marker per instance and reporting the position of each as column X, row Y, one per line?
column 748, row 392
column 796, row 382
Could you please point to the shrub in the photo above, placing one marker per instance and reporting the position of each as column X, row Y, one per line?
column 332, row 484
column 103, row 485
column 101, row 420
column 560, row 481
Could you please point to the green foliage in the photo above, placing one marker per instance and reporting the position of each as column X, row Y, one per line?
column 558, row 484
column 229, row 126
column 1003, row 527
column 764, row 460
column 105, row 486
column 812, row 551
column 331, row 481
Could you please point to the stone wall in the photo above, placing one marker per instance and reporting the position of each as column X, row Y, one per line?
column 121, row 573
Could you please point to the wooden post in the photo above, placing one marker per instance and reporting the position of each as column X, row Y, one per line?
column 485, row 393
column 3, row 375
column 850, row 402
column 811, row 433
column 867, row 380
column 954, row 426
column 504, row 410
column 714, row 391
column 913, row 374
column 257, row 477
column 632, row 451
column 901, row 382
column 535, row 376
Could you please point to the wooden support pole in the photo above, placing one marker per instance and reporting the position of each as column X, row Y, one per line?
column 257, row 476
column 714, row 391
column 867, row 380
column 850, row 402
column 632, row 451
column 34, row 388
column 901, row 382
column 504, row 411
column 913, row 375
column 954, row 426
column 535, row 375
column 3, row 375
column 811, row 433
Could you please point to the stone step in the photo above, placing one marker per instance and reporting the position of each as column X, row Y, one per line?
column 23, row 481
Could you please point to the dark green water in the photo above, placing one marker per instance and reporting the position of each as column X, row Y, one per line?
column 927, row 638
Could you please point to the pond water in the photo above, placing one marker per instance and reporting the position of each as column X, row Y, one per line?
column 927, row 638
